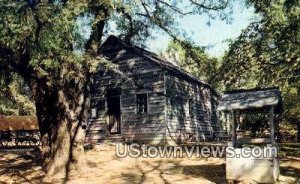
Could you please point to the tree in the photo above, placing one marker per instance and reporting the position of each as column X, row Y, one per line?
column 39, row 40
column 194, row 59
column 14, row 96
column 267, row 54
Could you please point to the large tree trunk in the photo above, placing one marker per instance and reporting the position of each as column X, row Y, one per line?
column 60, row 115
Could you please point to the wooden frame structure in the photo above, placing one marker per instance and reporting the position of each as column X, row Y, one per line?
column 169, row 89
column 263, row 169
column 19, row 131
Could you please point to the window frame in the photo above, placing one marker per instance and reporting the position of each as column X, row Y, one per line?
column 191, row 107
column 147, row 103
column 94, row 110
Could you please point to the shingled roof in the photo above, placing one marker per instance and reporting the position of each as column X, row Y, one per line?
column 251, row 99
column 113, row 45
column 14, row 123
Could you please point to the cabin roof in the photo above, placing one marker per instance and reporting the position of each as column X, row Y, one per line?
column 113, row 45
column 14, row 123
column 244, row 99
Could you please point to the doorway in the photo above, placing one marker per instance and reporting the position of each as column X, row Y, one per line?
column 113, row 111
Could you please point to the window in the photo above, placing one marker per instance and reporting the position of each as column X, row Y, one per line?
column 142, row 103
column 191, row 107
column 94, row 113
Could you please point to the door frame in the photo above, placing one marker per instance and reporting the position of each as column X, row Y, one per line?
column 106, row 108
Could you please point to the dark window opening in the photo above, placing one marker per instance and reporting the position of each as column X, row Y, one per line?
column 142, row 103
column 191, row 107
column 113, row 105
column 113, row 92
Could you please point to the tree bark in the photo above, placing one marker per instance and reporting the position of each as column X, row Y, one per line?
column 60, row 115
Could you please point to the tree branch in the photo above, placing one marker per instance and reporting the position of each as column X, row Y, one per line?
column 148, row 15
column 101, row 13
column 207, row 7
column 174, row 8
column 129, row 18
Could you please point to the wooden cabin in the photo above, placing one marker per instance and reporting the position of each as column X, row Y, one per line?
column 15, row 123
column 16, row 131
column 140, row 97
column 262, row 168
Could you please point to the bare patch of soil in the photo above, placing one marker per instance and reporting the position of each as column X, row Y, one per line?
column 102, row 166
column 20, row 166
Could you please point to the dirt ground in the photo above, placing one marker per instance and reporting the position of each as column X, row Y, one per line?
column 102, row 166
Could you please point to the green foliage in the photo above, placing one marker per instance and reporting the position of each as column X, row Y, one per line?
column 15, row 98
column 267, row 51
column 16, row 24
column 48, row 31
column 136, row 20
column 40, row 40
column 267, row 54
column 194, row 60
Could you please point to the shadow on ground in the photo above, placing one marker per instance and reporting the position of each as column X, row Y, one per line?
column 102, row 166
column 20, row 166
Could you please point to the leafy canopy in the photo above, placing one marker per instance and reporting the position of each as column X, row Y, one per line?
column 193, row 59
column 267, row 54
column 42, row 35
column 40, row 39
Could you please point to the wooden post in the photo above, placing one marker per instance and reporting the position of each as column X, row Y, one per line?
column 233, row 118
column 227, row 124
column 272, row 139
column 237, row 116
column 271, row 122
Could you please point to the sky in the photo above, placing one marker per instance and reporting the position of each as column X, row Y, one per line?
column 214, row 36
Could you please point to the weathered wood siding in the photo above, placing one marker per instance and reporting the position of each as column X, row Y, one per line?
column 138, row 71
column 139, row 76
column 182, row 126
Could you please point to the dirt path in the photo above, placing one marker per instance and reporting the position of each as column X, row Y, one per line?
column 20, row 166
column 102, row 166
